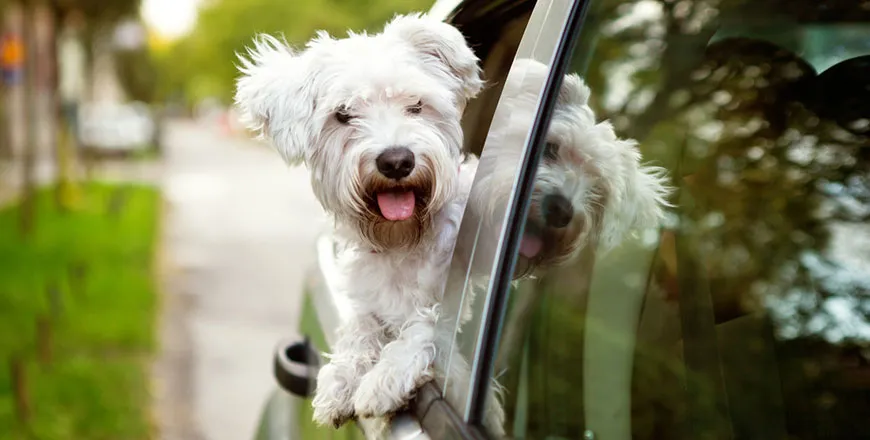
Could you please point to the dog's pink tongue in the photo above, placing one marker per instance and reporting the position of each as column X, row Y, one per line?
column 396, row 206
column 531, row 246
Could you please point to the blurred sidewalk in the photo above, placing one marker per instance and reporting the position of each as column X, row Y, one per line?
column 10, row 178
column 239, row 235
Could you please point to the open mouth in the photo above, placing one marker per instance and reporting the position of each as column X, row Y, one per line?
column 531, row 246
column 532, row 243
column 398, row 204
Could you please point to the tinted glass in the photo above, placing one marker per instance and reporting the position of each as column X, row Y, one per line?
column 740, row 312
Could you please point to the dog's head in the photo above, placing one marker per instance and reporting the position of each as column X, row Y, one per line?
column 374, row 117
column 590, row 185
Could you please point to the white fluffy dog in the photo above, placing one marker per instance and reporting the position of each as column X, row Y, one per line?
column 376, row 120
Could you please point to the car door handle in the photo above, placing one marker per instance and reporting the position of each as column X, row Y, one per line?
column 295, row 366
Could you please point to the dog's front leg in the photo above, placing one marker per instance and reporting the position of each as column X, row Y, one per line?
column 405, row 364
column 356, row 351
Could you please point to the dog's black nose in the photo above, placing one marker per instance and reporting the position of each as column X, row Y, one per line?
column 557, row 210
column 395, row 162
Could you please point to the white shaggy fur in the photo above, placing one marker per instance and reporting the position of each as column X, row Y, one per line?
column 337, row 106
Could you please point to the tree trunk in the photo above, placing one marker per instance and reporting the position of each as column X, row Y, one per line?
column 28, row 203
column 66, row 192
column 58, row 141
column 5, row 132
column 20, row 390
column 6, row 149
column 44, row 339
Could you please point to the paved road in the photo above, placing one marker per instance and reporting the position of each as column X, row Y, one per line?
column 239, row 236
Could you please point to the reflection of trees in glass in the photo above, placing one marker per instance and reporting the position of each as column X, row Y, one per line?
column 775, row 198
column 767, row 178
column 772, row 179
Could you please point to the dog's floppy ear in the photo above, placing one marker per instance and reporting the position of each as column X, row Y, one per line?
column 443, row 44
column 637, row 198
column 274, row 96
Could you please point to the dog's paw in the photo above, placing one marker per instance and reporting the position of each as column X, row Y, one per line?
column 333, row 399
column 382, row 393
column 493, row 419
column 374, row 398
column 331, row 414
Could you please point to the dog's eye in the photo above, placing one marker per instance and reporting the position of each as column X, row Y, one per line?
column 342, row 116
column 416, row 108
column 551, row 151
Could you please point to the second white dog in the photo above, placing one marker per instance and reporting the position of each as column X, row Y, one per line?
column 376, row 120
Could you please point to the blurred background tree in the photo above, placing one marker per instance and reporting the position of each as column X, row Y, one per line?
column 203, row 64
column 99, row 13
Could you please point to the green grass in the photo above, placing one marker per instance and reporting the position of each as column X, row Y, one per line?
column 99, row 261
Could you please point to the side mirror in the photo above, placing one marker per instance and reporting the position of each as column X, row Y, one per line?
column 295, row 367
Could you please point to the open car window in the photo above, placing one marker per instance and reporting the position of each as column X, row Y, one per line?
column 503, row 136
column 494, row 29
column 744, row 313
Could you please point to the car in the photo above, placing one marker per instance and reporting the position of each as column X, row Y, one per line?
column 745, row 316
column 108, row 127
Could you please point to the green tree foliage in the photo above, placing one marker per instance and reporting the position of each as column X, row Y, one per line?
column 204, row 63
column 137, row 73
column 98, row 12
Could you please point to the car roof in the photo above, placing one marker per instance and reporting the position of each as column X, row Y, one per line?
column 468, row 10
column 442, row 8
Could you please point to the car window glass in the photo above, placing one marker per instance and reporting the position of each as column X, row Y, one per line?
column 742, row 310
column 478, row 242
column 495, row 65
